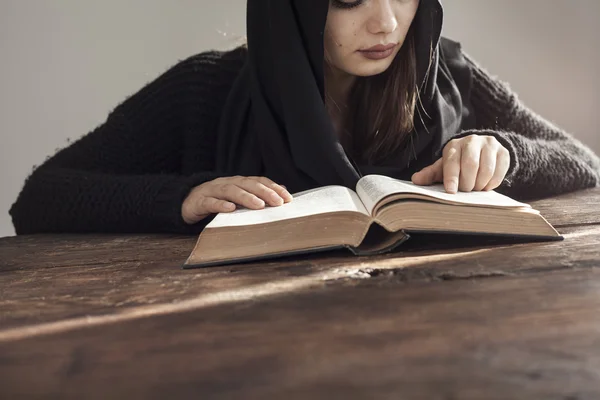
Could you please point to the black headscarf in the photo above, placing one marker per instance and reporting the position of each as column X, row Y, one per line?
column 275, row 123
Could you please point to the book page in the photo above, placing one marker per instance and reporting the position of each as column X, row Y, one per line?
column 373, row 188
column 309, row 202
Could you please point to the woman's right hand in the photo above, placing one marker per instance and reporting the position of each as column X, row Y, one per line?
column 222, row 195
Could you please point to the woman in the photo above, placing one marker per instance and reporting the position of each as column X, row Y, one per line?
column 324, row 92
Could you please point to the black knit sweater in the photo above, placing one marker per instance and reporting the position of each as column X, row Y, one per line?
column 132, row 173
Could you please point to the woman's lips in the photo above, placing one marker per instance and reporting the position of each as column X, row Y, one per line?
column 378, row 52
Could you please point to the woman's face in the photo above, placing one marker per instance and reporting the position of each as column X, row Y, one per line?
column 354, row 27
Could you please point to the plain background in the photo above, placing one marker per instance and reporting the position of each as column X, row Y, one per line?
column 66, row 63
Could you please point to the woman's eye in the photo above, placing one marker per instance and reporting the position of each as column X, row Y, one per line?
column 346, row 4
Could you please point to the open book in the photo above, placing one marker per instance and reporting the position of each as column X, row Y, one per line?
column 374, row 219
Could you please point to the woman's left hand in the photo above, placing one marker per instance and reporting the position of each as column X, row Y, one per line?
column 469, row 163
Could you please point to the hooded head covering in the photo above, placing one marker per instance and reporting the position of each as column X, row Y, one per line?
column 275, row 123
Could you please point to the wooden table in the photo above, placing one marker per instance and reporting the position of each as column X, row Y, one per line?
column 114, row 316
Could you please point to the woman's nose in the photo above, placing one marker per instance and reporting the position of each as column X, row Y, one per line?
column 383, row 19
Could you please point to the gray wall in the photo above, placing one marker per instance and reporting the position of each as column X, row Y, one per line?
column 67, row 63
column 547, row 50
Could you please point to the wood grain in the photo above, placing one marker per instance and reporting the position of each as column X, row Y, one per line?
column 37, row 295
column 524, row 337
column 576, row 208
column 112, row 316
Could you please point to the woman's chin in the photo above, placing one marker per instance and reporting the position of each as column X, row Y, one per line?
column 366, row 68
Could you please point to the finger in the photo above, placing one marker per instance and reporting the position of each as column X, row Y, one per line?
column 209, row 205
column 429, row 174
column 487, row 167
column 234, row 193
column 279, row 189
column 451, row 167
column 469, row 163
column 502, row 166
column 423, row 177
column 254, row 186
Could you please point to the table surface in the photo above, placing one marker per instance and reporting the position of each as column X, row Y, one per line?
column 112, row 316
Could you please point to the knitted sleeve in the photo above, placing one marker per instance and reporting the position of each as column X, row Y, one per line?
column 545, row 160
column 125, row 175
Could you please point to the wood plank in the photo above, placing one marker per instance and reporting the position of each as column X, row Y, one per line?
column 448, row 319
column 526, row 337
column 98, row 286
column 576, row 208
column 81, row 250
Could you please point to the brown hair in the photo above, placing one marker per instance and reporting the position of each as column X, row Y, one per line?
column 380, row 111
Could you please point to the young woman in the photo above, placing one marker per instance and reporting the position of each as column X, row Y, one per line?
column 324, row 92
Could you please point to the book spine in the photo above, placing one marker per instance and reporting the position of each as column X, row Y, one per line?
column 359, row 252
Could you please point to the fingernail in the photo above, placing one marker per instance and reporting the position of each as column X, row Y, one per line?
column 452, row 187
column 258, row 202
